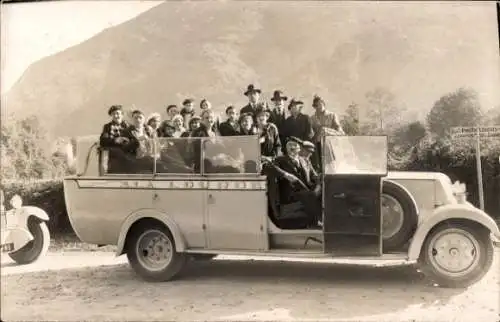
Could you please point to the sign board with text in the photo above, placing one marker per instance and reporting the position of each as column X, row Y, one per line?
column 472, row 132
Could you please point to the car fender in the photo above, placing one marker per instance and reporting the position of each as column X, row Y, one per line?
column 35, row 211
column 455, row 211
column 180, row 244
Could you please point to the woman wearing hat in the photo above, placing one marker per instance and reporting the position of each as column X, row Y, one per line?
column 113, row 139
column 270, row 144
column 154, row 121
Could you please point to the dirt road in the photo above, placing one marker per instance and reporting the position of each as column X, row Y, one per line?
column 97, row 286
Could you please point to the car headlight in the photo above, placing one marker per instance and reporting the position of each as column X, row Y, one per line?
column 459, row 191
column 16, row 202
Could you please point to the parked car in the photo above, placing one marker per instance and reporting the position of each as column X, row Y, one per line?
column 200, row 197
column 24, row 235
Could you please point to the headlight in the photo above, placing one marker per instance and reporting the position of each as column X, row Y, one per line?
column 459, row 191
column 16, row 202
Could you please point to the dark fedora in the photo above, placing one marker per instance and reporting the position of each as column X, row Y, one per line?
column 278, row 96
column 252, row 89
column 294, row 102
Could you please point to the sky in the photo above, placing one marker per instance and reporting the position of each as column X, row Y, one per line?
column 32, row 31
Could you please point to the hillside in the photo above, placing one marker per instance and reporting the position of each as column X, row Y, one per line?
column 214, row 50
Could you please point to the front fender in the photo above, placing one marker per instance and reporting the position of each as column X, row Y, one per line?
column 180, row 244
column 35, row 211
column 454, row 211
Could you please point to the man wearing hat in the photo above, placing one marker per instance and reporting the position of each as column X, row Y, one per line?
column 323, row 120
column 253, row 94
column 278, row 113
column 113, row 138
column 307, row 152
column 297, row 124
column 298, row 181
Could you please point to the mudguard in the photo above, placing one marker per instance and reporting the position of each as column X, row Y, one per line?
column 34, row 211
column 453, row 211
column 180, row 244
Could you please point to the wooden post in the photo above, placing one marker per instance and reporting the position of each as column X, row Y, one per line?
column 479, row 171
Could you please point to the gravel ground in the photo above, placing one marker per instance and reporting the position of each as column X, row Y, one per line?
column 71, row 286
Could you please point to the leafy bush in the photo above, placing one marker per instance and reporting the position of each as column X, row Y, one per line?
column 28, row 152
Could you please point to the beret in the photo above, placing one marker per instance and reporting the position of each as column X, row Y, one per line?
column 114, row 108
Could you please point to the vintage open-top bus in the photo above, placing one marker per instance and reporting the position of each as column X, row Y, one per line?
column 200, row 197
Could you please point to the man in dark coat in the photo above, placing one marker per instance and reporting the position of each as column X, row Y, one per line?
column 298, row 181
column 253, row 95
column 113, row 138
column 187, row 111
column 297, row 124
column 278, row 113
column 230, row 127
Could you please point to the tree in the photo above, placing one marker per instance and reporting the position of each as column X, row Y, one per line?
column 382, row 112
column 409, row 135
column 350, row 120
column 26, row 151
column 459, row 108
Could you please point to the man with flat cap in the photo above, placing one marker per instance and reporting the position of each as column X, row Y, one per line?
column 114, row 139
column 307, row 152
column 297, row 124
column 253, row 94
column 298, row 182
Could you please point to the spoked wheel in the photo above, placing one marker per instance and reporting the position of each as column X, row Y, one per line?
column 151, row 253
column 456, row 255
column 36, row 248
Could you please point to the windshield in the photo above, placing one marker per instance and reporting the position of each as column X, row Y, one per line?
column 355, row 155
column 231, row 154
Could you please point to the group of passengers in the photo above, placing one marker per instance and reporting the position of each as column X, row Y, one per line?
column 290, row 142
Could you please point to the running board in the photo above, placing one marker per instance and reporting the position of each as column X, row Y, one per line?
column 301, row 254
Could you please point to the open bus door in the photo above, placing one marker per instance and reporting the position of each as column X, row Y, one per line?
column 353, row 167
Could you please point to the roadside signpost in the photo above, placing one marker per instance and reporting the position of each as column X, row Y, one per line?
column 477, row 133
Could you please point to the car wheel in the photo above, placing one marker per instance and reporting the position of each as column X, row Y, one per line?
column 151, row 253
column 36, row 248
column 399, row 216
column 456, row 255
column 202, row 257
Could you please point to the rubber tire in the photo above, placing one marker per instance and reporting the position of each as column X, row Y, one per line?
column 36, row 248
column 170, row 272
column 202, row 257
column 410, row 217
column 481, row 234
